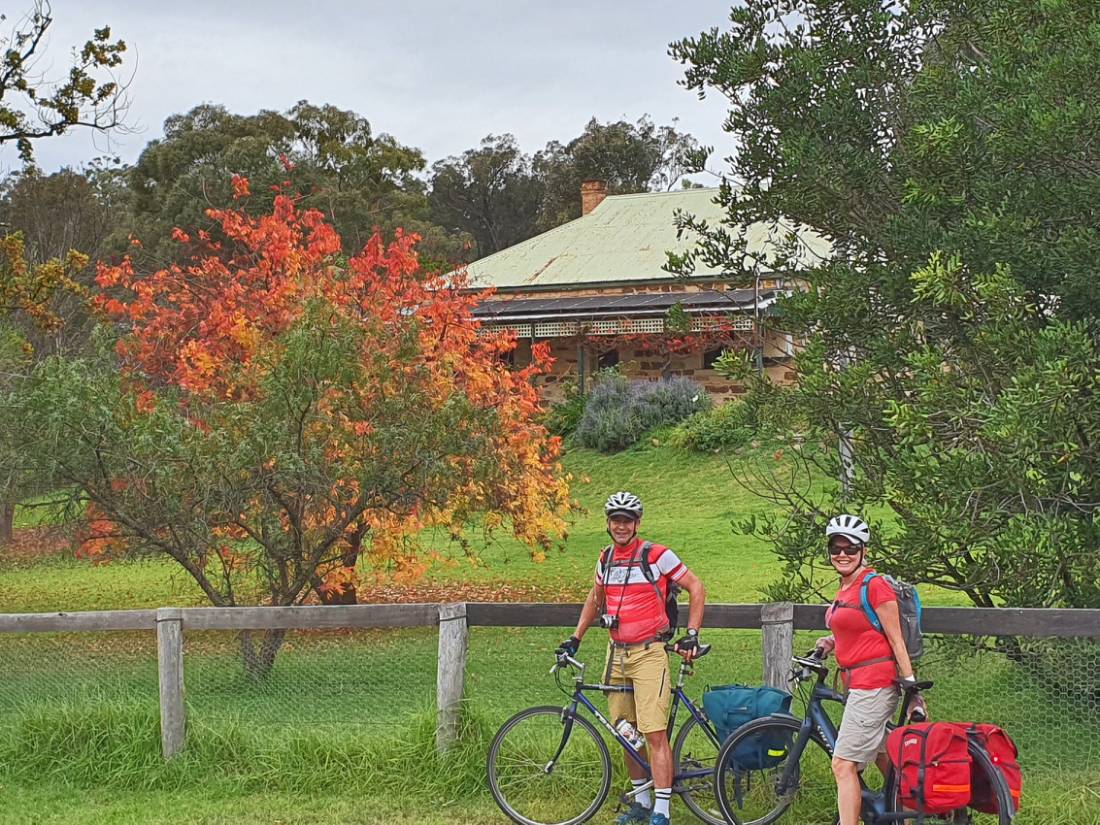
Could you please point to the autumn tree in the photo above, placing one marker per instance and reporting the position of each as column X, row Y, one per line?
column 946, row 150
column 55, row 215
column 29, row 293
column 281, row 411
column 34, row 105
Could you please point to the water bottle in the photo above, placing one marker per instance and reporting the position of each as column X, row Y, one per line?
column 630, row 734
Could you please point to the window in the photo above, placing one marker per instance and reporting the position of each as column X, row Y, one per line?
column 608, row 360
column 710, row 356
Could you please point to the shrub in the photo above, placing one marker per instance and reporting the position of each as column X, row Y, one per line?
column 562, row 418
column 724, row 427
column 619, row 411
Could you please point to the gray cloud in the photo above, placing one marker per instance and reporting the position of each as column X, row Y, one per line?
column 436, row 75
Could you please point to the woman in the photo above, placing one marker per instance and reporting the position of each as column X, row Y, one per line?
column 872, row 663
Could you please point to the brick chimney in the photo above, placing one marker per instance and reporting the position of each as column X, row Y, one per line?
column 592, row 194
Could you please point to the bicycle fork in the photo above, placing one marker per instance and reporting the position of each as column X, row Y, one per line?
column 567, row 714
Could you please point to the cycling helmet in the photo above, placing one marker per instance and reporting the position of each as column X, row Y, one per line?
column 623, row 503
column 852, row 528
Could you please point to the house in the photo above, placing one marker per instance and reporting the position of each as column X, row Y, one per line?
column 595, row 289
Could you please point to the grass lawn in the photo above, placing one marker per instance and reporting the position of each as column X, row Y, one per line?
column 341, row 731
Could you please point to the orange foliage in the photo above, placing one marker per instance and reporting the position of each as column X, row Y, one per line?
column 211, row 331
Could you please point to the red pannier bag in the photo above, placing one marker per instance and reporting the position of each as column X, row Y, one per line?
column 1002, row 750
column 932, row 765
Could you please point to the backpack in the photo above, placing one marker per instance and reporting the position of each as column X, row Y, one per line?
column 932, row 765
column 672, row 608
column 730, row 706
column 909, row 611
column 1002, row 752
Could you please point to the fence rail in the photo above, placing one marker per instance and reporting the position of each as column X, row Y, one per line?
column 777, row 623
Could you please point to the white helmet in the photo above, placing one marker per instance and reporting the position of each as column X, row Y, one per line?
column 852, row 528
column 623, row 503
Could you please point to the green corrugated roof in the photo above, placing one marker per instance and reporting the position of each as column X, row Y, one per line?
column 623, row 239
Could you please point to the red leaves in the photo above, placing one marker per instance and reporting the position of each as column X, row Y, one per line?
column 215, row 329
column 240, row 187
column 719, row 332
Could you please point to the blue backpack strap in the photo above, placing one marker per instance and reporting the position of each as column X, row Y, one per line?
column 865, row 601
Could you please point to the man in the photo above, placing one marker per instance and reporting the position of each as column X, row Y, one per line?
column 632, row 581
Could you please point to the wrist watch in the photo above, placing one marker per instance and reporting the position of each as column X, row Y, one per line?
column 693, row 633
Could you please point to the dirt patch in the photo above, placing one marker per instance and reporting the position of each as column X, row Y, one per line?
column 33, row 544
column 498, row 591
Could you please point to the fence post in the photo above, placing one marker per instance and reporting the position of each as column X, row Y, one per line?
column 450, row 680
column 173, row 716
column 777, row 622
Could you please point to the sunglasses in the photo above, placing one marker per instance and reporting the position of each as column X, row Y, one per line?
column 850, row 550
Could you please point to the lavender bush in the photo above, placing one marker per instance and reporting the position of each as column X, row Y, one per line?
column 619, row 411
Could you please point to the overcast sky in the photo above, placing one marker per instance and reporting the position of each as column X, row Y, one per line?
column 437, row 75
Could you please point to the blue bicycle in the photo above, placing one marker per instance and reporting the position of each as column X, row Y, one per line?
column 781, row 764
column 549, row 765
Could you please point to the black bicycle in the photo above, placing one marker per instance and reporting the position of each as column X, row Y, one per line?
column 780, row 764
column 549, row 765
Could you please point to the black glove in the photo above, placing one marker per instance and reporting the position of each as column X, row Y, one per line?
column 569, row 647
column 688, row 644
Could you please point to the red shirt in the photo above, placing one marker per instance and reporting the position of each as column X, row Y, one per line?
column 629, row 595
column 856, row 638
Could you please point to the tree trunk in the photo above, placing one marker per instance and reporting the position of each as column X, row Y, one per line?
column 7, row 521
column 259, row 659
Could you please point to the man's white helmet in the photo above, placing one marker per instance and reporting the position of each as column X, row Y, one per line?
column 623, row 503
column 852, row 528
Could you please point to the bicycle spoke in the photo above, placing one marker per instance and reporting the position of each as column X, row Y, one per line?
column 757, row 787
column 529, row 793
column 695, row 751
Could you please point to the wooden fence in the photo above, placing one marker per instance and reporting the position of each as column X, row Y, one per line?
column 777, row 623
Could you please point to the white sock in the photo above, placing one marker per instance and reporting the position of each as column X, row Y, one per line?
column 643, row 797
column 664, row 796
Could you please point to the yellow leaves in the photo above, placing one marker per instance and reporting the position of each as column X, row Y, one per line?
column 30, row 289
column 338, row 581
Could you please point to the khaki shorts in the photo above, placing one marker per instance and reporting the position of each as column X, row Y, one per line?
column 862, row 734
column 645, row 667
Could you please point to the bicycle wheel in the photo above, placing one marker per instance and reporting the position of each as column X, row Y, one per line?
column 695, row 751
column 984, row 765
column 750, row 784
column 521, row 778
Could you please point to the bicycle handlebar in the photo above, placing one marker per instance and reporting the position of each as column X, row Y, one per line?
column 565, row 659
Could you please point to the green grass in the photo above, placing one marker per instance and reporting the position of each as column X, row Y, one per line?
column 341, row 731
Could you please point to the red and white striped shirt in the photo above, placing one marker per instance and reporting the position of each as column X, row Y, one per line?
column 629, row 595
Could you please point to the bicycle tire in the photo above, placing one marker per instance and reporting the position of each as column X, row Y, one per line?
column 728, row 774
column 543, row 743
column 700, row 802
column 1005, row 807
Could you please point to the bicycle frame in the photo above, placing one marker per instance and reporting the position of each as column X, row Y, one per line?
column 816, row 719
column 678, row 697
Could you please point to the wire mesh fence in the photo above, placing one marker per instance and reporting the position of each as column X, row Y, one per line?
column 337, row 682
column 66, row 696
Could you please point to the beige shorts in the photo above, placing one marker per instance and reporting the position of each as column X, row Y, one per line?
column 645, row 667
column 862, row 734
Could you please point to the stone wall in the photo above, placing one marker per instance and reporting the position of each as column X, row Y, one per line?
column 637, row 363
